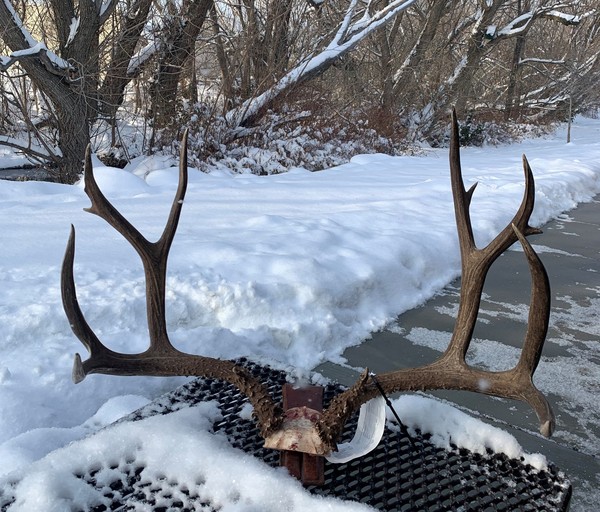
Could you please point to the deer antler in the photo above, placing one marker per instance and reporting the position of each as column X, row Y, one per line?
column 161, row 358
column 451, row 371
column 320, row 432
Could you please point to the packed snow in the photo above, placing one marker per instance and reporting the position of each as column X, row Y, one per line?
column 287, row 269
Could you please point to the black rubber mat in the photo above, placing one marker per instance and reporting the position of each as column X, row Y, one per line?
column 404, row 473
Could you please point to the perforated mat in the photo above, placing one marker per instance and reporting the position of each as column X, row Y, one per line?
column 405, row 473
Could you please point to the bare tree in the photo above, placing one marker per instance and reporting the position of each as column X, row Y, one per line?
column 131, row 20
column 176, row 44
column 63, row 62
column 71, row 67
column 254, row 43
column 562, row 75
column 407, row 72
column 461, row 51
column 64, row 80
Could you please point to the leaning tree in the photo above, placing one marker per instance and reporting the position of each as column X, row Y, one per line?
column 74, row 54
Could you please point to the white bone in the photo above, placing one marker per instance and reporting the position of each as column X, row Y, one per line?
column 369, row 431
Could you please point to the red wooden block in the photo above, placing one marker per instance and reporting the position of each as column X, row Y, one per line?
column 293, row 462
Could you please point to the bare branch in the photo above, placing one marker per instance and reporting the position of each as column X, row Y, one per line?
column 28, row 150
column 346, row 38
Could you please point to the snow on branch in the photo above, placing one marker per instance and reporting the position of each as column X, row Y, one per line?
column 141, row 57
column 105, row 8
column 517, row 26
column 352, row 30
column 541, row 61
column 17, row 22
column 49, row 59
column 561, row 17
column 73, row 28
column 563, row 82
column 42, row 153
column 29, row 47
column 522, row 23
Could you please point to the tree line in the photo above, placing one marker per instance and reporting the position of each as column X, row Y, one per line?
column 74, row 71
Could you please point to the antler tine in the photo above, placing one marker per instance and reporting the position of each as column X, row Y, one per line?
column 462, row 202
column 537, row 328
column 104, row 209
column 80, row 327
column 507, row 236
column 461, row 196
column 173, row 221
column 539, row 312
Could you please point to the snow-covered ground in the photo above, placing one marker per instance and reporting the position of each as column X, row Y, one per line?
column 289, row 269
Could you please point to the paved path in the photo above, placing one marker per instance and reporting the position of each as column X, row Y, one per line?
column 569, row 372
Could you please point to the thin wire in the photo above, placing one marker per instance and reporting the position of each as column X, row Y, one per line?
column 388, row 402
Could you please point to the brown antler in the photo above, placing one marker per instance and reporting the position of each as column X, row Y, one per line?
column 320, row 432
column 451, row 371
column 161, row 358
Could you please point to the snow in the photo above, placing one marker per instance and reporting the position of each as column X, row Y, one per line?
column 447, row 426
column 141, row 57
column 234, row 481
column 287, row 269
column 73, row 28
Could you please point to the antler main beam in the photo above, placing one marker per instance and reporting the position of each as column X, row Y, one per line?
column 161, row 358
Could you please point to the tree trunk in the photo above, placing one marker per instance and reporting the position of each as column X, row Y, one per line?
column 477, row 47
column 228, row 87
column 74, row 136
column 347, row 37
column 276, row 40
column 405, row 76
column 117, row 77
column 72, row 89
column 70, row 104
column 455, row 91
column 177, row 49
column 385, row 41
column 512, row 94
